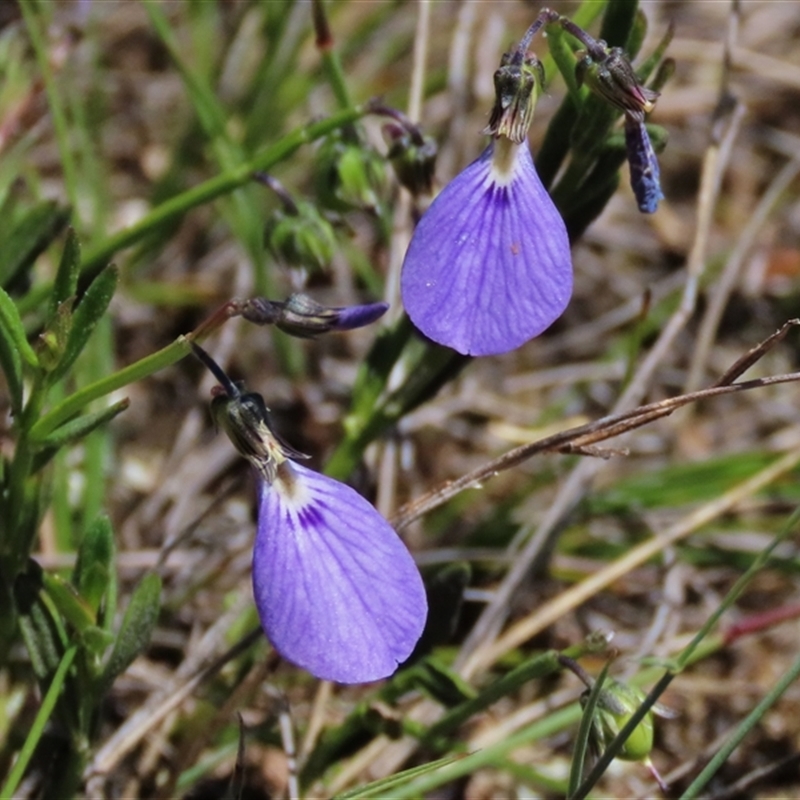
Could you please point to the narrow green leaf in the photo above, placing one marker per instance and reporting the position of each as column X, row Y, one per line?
column 39, row 629
column 72, row 607
column 137, row 627
column 31, row 236
column 537, row 667
column 71, row 405
column 88, row 313
column 11, row 364
column 637, row 35
column 66, row 282
column 741, row 731
column 37, row 729
column 13, row 329
column 76, row 429
column 584, row 732
column 618, row 21
column 95, row 564
column 380, row 787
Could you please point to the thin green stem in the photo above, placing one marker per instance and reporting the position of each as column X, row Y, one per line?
column 331, row 62
column 687, row 656
column 97, row 257
column 738, row 587
column 39, row 723
column 747, row 724
column 165, row 357
column 60, row 123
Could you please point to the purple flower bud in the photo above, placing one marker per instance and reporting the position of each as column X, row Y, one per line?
column 489, row 264
column 301, row 316
column 336, row 589
column 645, row 174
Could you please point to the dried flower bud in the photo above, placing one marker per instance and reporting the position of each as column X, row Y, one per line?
column 612, row 77
column 413, row 158
column 303, row 317
column 244, row 420
column 516, row 85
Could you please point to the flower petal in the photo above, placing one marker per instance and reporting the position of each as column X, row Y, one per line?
column 489, row 265
column 336, row 589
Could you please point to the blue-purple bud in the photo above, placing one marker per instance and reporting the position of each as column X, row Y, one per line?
column 303, row 317
column 645, row 173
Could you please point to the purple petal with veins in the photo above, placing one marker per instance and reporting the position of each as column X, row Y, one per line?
column 489, row 264
column 336, row 589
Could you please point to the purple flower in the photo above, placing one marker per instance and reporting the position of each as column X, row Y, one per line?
column 489, row 265
column 336, row 589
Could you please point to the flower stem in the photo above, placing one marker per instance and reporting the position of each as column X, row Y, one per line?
column 97, row 257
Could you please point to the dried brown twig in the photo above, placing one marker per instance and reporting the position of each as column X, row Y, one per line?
column 583, row 438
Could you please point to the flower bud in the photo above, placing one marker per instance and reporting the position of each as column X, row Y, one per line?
column 301, row 239
column 516, row 85
column 303, row 317
column 349, row 175
column 643, row 164
column 413, row 158
column 609, row 74
column 615, row 706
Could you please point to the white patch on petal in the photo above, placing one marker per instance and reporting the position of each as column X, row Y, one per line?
column 286, row 483
column 505, row 162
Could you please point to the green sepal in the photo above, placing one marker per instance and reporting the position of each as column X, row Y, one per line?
column 86, row 316
column 13, row 329
column 53, row 339
column 31, row 236
column 302, row 239
column 94, row 569
column 137, row 626
column 74, row 431
column 349, row 174
column 78, row 613
column 65, row 285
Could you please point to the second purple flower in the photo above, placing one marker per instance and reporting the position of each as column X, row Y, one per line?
column 489, row 265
